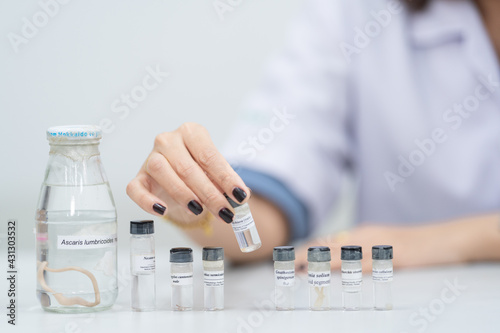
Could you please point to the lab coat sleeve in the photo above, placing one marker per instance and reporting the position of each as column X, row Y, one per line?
column 290, row 143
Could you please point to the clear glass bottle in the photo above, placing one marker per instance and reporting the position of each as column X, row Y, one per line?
column 352, row 276
column 181, row 273
column 382, row 274
column 284, row 277
column 143, row 265
column 213, row 278
column 76, row 225
column 244, row 227
column 319, row 277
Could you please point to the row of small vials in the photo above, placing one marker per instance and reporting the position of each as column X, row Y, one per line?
column 142, row 266
column 319, row 277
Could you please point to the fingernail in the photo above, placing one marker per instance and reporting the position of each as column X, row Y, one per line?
column 239, row 194
column 226, row 215
column 160, row 209
column 195, row 207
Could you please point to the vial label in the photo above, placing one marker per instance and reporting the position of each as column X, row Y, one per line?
column 214, row 278
column 144, row 263
column 382, row 275
column 182, row 279
column 243, row 224
column 319, row 279
column 284, row 277
column 83, row 242
column 352, row 277
column 242, row 241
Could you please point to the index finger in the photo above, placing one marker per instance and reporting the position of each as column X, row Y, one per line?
column 199, row 144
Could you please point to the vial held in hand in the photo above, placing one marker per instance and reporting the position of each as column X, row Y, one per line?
column 244, row 227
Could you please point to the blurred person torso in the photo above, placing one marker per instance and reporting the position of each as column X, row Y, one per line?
column 406, row 101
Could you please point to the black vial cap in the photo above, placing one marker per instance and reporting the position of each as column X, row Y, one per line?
column 212, row 253
column 181, row 254
column 351, row 253
column 319, row 254
column 142, row 227
column 382, row 252
column 284, row 253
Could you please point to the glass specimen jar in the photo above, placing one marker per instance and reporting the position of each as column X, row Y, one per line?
column 75, row 225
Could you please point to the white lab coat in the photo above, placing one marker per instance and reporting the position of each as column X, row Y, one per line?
column 410, row 106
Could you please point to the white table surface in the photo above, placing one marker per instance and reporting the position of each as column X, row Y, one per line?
column 249, row 297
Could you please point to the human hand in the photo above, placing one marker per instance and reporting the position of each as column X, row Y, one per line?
column 413, row 246
column 184, row 174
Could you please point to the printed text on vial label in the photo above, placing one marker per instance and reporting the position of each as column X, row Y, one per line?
column 213, row 278
column 319, row 279
column 182, row 279
column 143, row 264
column 382, row 275
column 244, row 223
column 284, row 277
column 352, row 277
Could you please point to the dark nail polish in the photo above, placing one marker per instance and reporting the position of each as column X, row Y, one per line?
column 195, row 207
column 226, row 215
column 239, row 194
column 160, row 209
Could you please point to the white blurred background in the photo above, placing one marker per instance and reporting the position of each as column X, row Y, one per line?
column 78, row 63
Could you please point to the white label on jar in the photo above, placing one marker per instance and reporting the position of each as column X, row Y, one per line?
column 143, row 263
column 284, row 277
column 83, row 242
column 214, row 278
column 352, row 277
column 244, row 223
column 319, row 279
column 182, row 279
column 382, row 274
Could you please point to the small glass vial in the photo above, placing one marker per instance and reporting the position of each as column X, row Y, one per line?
column 284, row 277
column 142, row 265
column 352, row 277
column 319, row 258
column 181, row 273
column 382, row 274
column 244, row 227
column 213, row 277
